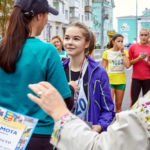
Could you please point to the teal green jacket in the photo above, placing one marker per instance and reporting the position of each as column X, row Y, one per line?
column 40, row 61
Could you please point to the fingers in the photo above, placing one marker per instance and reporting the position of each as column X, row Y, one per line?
column 46, row 85
column 36, row 88
column 142, row 56
column 97, row 128
column 34, row 99
column 74, row 85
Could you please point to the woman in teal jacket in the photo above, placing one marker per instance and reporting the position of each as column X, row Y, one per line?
column 25, row 59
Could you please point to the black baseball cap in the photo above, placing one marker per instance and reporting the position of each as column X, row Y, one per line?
column 34, row 7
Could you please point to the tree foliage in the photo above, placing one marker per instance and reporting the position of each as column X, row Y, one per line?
column 5, row 10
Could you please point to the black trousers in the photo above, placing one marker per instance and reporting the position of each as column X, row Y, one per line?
column 39, row 142
column 136, row 87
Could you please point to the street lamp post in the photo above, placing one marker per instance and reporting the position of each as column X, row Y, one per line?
column 102, row 24
column 136, row 20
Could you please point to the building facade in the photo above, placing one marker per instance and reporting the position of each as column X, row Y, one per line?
column 105, row 10
column 129, row 26
column 69, row 11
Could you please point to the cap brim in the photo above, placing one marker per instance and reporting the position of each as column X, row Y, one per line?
column 52, row 10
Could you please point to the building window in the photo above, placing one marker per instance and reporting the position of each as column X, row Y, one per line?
column 87, row 3
column 56, row 5
column 72, row 12
column 47, row 32
column 66, row 14
column 63, row 8
column 82, row 3
column 87, row 16
column 57, row 30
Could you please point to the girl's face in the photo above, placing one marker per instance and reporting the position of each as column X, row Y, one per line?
column 118, row 43
column 144, row 36
column 57, row 43
column 74, row 41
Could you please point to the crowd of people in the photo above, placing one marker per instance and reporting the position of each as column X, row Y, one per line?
column 65, row 82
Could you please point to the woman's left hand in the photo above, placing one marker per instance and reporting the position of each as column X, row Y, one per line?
column 97, row 128
column 49, row 99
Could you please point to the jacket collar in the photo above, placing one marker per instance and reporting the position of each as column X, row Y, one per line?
column 66, row 62
column 92, row 63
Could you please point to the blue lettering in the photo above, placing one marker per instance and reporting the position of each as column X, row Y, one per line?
column 77, row 111
column 8, row 130
column 82, row 104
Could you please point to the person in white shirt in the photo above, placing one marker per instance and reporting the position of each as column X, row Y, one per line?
column 130, row 130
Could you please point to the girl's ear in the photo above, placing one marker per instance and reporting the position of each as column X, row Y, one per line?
column 39, row 16
column 36, row 18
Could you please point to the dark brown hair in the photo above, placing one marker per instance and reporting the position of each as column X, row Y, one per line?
column 113, row 39
column 89, row 36
column 16, row 34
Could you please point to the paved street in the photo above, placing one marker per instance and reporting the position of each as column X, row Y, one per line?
column 126, row 100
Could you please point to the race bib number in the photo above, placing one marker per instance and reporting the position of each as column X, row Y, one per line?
column 80, row 109
column 115, row 62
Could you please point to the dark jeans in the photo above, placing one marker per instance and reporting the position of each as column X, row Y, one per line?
column 39, row 142
column 136, row 87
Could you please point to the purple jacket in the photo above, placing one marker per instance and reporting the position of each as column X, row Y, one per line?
column 100, row 105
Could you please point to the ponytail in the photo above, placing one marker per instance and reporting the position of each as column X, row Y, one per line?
column 14, row 39
column 92, row 43
column 110, row 44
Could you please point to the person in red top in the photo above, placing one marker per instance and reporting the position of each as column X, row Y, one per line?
column 139, row 56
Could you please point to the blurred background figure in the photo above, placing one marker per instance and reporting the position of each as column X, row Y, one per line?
column 139, row 56
column 58, row 43
column 130, row 130
column 114, row 60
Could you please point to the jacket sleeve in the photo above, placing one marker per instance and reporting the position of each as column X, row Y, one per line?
column 106, row 102
column 70, row 101
column 126, row 133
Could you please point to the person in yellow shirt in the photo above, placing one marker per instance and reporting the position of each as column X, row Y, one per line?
column 114, row 60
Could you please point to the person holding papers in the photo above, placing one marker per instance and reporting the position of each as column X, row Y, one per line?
column 26, row 59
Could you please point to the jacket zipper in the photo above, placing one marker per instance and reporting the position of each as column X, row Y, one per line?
column 88, row 93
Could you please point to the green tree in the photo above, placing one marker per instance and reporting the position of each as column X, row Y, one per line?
column 5, row 9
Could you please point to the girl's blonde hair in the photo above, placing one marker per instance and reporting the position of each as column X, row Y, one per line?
column 89, row 36
column 57, row 37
